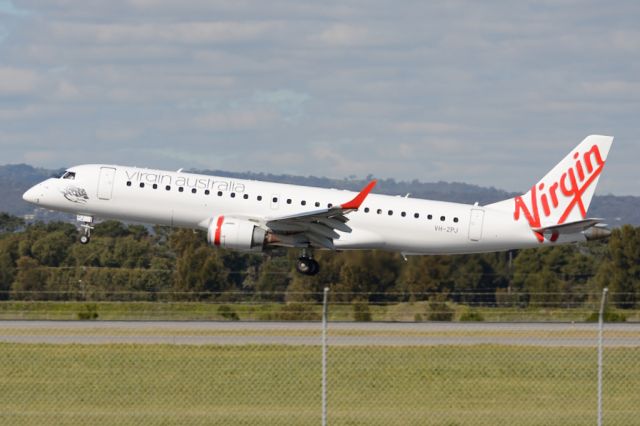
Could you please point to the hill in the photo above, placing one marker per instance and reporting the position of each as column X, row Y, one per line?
column 617, row 210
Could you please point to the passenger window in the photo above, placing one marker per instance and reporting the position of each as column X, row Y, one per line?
column 288, row 200
column 129, row 183
column 430, row 216
column 219, row 193
column 193, row 190
column 275, row 199
column 206, row 192
column 416, row 215
column 317, row 204
column 141, row 184
column 403, row 214
column 379, row 211
column 442, row 218
column 233, row 195
column 303, row 202
column 455, row 219
column 168, row 188
column 245, row 196
column 390, row 212
column 366, row 209
column 259, row 197
column 180, row 189
column 329, row 205
column 155, row 186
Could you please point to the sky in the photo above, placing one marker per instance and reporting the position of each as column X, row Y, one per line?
column 489, row 93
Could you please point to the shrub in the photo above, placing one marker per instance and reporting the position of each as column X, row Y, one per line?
column 228, row 313
column 607, row 317
column 418, row 318
column 361, row 311
column 297, row 312
column 471, row 315
column 438, row 310
column 90, row 312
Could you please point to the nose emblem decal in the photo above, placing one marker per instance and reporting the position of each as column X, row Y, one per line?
column 75, row 194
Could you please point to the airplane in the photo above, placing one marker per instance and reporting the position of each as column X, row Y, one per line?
column 257, row 216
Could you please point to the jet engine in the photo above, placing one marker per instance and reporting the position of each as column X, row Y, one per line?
column 236, row 234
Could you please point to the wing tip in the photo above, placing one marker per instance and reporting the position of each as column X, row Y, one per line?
column 359, row 199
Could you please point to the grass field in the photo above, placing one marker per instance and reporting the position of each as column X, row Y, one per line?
column 281, row 385
column 261, row 311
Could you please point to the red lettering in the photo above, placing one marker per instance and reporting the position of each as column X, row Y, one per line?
column 545, row 205
column 595, row 153
column 569, row 186
column 554, row 196
column 533, row 216
column 579, row 167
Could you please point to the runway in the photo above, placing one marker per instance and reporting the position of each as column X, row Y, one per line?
column 309, row 333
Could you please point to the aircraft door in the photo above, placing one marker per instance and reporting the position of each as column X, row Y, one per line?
column 475, row 224
column 105, row 182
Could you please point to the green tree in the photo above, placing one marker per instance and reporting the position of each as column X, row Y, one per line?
column 10, row 223
column 621, row 269
column 422, row 275
column 52, row 248
column 110, row 228
column 7, row 274
column 274, row 276
column 30, row 279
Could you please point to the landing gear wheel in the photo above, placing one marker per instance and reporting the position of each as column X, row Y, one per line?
column 307, row 266
column 86, row 225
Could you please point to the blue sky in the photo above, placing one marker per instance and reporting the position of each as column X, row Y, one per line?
column 491, row 93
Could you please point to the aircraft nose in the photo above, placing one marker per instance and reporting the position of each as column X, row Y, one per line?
column 32, row 195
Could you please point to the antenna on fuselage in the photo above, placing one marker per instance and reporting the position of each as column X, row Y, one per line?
column 180, row 170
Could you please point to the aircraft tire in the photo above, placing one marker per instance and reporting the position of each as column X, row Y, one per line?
column 307, row 266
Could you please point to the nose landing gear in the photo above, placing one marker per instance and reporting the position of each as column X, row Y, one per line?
column 86, row 227
column 306, row 265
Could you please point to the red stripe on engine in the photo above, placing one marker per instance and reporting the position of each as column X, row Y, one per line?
column 216, row 238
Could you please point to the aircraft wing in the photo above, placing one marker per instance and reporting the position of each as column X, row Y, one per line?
column 317, row 228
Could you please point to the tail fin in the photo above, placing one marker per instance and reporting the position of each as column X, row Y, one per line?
column 564, row 194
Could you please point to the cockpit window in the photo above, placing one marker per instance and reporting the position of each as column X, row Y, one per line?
column 69, row 175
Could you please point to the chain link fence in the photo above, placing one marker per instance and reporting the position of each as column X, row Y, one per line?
column 419, row 360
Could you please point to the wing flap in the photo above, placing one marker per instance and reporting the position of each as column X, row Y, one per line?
column 319, row 227
column 335, row 223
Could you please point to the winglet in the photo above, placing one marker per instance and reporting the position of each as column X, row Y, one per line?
column 359, row 199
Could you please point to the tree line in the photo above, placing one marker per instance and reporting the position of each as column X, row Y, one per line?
column 43, row 261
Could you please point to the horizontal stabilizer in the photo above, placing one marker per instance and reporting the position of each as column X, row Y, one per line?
column 592, row 229
column 571, row 227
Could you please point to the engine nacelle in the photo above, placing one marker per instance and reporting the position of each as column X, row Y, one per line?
column 236, row 234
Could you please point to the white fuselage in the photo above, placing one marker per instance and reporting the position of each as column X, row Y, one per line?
column 411, row 226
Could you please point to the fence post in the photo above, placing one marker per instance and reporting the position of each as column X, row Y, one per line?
column 325, row 312
column 600, row 341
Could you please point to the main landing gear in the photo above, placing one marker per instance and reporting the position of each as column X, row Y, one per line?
column 86, row 225
column 306, row 265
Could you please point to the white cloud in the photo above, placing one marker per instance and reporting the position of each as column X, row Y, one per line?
column 17, row 80
column 188, row 32
column 457, row 90
column 235, row 120
column 345, row 35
